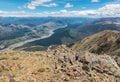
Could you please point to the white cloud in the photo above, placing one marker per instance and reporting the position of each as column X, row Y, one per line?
column 34, row 3
column 63, row 11
column 68, row 5
column 109, row 10
column 17, row 14
column 94, row 0
column 50, row 5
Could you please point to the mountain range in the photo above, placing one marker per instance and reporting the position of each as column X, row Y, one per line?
column 14, row 30
column 60, row 50
column 76, row 32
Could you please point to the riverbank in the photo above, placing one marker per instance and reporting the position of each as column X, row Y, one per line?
column 19, row 44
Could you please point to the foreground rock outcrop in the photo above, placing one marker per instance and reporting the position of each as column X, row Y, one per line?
column 59, row 65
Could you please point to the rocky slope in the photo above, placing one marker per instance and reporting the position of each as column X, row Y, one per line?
column 59, row 65
column 103, row 42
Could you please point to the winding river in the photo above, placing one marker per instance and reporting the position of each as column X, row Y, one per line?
column 19, row 44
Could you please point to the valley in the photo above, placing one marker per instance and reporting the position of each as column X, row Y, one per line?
column 59, row 40
column 65, row 64
column 73, row 33
column 60, row 50
column 30, row 31
column 50, row 31
column 19, row 44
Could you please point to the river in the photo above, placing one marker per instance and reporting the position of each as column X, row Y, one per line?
column 13, row 46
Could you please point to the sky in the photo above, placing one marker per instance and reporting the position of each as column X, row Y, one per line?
column 60, row 8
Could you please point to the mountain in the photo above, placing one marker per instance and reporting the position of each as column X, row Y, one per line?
column 30, row 30
column 66, row 64
column 15, row 30
column 105, row 42
column 112, row 20
column 11, row 31
column 61, row 64
column 76, row 32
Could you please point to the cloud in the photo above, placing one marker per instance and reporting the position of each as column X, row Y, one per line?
column 109, row 10
column 95, row 1
column 17, row 14
column 34, row 3
column 63, row 11
column 68, row 5
column 50, row 5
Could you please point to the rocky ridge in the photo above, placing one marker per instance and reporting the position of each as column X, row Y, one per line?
column 61, row 64
column 107, row 41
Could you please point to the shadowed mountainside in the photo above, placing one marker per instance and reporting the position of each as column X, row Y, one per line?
column 103, row 42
